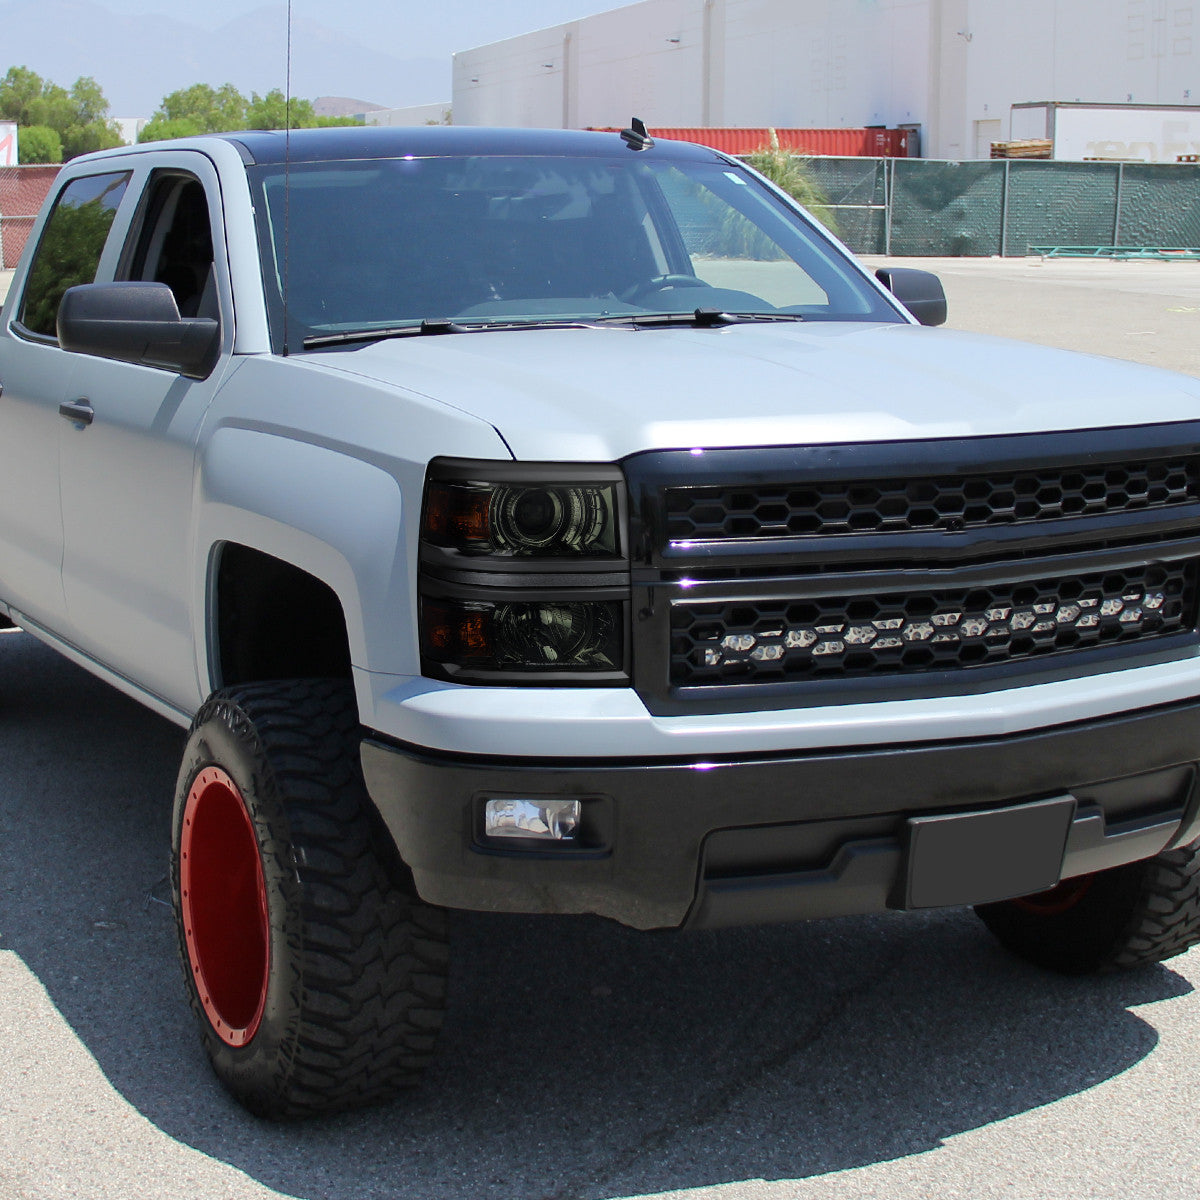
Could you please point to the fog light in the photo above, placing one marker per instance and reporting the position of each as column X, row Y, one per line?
column 547, row 820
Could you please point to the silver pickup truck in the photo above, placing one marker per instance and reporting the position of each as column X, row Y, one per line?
column 558, row 522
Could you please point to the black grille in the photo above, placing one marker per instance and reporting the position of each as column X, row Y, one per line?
column 784, row 640
column 950, row 502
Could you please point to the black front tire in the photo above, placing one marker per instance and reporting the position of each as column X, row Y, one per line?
column 315, row 973
column 1124, row 917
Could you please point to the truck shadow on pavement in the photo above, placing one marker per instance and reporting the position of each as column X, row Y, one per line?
column 579, row 1059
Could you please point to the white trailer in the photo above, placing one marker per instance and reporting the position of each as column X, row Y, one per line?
column 1121, row 132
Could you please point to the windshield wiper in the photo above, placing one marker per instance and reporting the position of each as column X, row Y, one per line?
column 427, row 328
column 374, row 335
column 702, row 318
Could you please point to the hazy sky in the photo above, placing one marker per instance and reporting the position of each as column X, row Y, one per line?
column 392, row 53
column 412, row 28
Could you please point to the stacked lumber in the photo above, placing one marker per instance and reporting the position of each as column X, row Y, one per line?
column 1026, row 148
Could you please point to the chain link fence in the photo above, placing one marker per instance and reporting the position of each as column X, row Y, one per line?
column 22, row 190
column 927, row 207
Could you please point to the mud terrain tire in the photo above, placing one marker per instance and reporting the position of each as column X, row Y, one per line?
column 1143, row 912
column 315, row 973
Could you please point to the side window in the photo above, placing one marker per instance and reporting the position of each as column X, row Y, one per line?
column 70, row 247
column 174, row 245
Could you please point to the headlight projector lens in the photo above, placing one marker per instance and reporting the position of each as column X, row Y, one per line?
column 537, row 519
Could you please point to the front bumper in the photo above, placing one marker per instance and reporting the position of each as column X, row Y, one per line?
column 666, row 842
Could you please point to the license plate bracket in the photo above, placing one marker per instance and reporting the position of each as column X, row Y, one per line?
column 978, row 857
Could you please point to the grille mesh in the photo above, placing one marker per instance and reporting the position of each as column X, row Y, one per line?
column 777, row 640
column 898, row 505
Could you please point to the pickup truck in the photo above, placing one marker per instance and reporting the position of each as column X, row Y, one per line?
column 561, row 522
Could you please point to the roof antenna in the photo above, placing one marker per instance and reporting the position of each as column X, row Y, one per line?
column 636, row 137
column 287, row 176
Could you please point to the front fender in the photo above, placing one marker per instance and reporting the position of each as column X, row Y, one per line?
column 339, row 518
column 325, row 470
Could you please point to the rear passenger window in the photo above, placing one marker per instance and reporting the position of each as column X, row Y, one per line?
column 174, row 245
column 70, row 247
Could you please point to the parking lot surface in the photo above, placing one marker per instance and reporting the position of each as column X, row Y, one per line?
column 895, row 1057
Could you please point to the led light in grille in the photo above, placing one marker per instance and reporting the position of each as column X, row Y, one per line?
column 788, row 645
column 767, row 653
column 860, row 635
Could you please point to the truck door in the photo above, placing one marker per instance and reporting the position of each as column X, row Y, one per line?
column 34, row 377
column 128, row 464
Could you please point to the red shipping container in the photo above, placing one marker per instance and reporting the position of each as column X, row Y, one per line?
column 842, row 143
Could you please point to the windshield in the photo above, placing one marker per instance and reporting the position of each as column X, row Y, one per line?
column 502, row 240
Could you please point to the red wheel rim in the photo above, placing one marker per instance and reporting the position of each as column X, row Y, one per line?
column 224, row 904
column 1059, row 899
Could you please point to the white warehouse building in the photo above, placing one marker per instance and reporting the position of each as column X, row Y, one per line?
column 953, row 69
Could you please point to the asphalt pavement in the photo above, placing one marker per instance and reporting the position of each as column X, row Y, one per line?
column 903, row 1057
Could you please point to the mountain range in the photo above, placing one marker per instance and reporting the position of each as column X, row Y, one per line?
column 138, row 60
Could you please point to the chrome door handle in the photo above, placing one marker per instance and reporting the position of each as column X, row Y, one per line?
column 78, row 410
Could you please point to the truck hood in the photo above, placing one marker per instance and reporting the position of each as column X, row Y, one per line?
column 601, row 394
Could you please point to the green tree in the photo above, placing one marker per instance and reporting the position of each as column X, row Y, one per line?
column 88, row 127
column 87, row 101
column 214, row 110
column 163, row 129
column 39, row 144
column 272, row 112
column 78, row 116
column 51, row 107
column 204, row 109
column 18, row 89
column 96, row 135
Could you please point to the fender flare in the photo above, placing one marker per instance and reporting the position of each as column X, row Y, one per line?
column 327, row 512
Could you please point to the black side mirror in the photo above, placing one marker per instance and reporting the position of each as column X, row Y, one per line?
column 137, row 323
column 919, row 291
